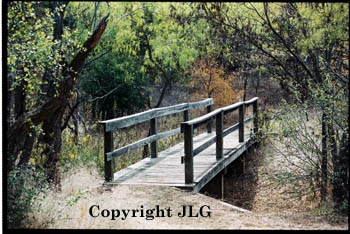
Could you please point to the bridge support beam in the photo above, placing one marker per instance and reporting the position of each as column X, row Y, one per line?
column 153, row 131
column 109, row 164
column 188, row 159
column 216, row 186
column 219, row 136
column 255, row 112
column 241, row 124
column 209, row 126
column 222, row 186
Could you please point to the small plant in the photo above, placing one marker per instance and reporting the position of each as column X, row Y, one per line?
column 73, row 201
column 88, row 151
column 23, row 187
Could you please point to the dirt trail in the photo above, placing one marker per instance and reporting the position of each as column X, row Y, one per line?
column 80, row 191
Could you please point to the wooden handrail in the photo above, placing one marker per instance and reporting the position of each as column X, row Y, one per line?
column 187, row 128
column 251, row 101
column 212, row 139
column 140, row 143
column 126, row 121
column 201, row 120
column 149, row 115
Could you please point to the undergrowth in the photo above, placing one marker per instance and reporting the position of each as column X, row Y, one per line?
column 27, row 190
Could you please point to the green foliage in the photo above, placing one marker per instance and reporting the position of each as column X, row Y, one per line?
column 305, row 47
column 30, row 47
column 165, row 48
column 76, row 197
column 81, row 151
column 23, row 188
column 32, row 50
column 112, row 83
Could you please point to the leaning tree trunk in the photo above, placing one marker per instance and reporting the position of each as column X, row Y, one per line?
column 50, row 114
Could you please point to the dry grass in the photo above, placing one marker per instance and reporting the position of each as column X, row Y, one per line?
column 84, row 188
column 267, row 195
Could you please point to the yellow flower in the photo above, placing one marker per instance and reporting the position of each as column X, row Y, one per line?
column 32, row 161
column 85, row 139
column 72, row 155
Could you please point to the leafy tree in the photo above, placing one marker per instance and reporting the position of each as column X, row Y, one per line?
column 304, row 46
column 210, row 81
column 159, row 44
column 43, row 62
column 112, row 93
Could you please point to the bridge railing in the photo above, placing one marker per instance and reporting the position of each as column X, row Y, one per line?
column 188, row 127
column 150, row 115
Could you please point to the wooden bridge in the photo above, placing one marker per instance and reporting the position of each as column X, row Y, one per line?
column 191, row 164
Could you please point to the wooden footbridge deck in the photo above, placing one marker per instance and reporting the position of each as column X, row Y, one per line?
column 190, row 164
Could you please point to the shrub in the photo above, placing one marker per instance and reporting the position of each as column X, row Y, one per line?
column 23, row 187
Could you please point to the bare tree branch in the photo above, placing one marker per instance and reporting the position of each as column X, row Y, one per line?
column 107, row 94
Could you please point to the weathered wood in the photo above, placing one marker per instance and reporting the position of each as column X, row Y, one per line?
column 206, row 102
column 140, row 143
column 203, row 119
column 222, row 187
column 255, row 113
column 233, row 107
column 236, row 126
column 126, row 121
column 109, row 164
column 213, row 170
column 153, row 131
column 204, row 146
column 251, row 101
column 219, row 135
column 208, row 117
column 241, row 123
column 166, row 170
column 212, row 139
column 209, row 126
column 186, row 116
column 188, row 159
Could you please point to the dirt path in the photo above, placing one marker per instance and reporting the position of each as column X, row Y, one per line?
column 84, row 191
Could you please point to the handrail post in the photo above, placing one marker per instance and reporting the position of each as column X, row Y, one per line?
column 153, row 131
column 188, row 159
column 186, row 116
column 241, row 123
column 209, row 126
column 219, row 135
column 109, row 164
column 255, row 113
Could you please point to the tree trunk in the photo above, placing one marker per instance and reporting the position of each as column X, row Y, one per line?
column 245, row 80
column 257, row 85
column 324, row 158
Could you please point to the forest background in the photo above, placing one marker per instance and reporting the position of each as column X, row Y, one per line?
column 72, row 64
